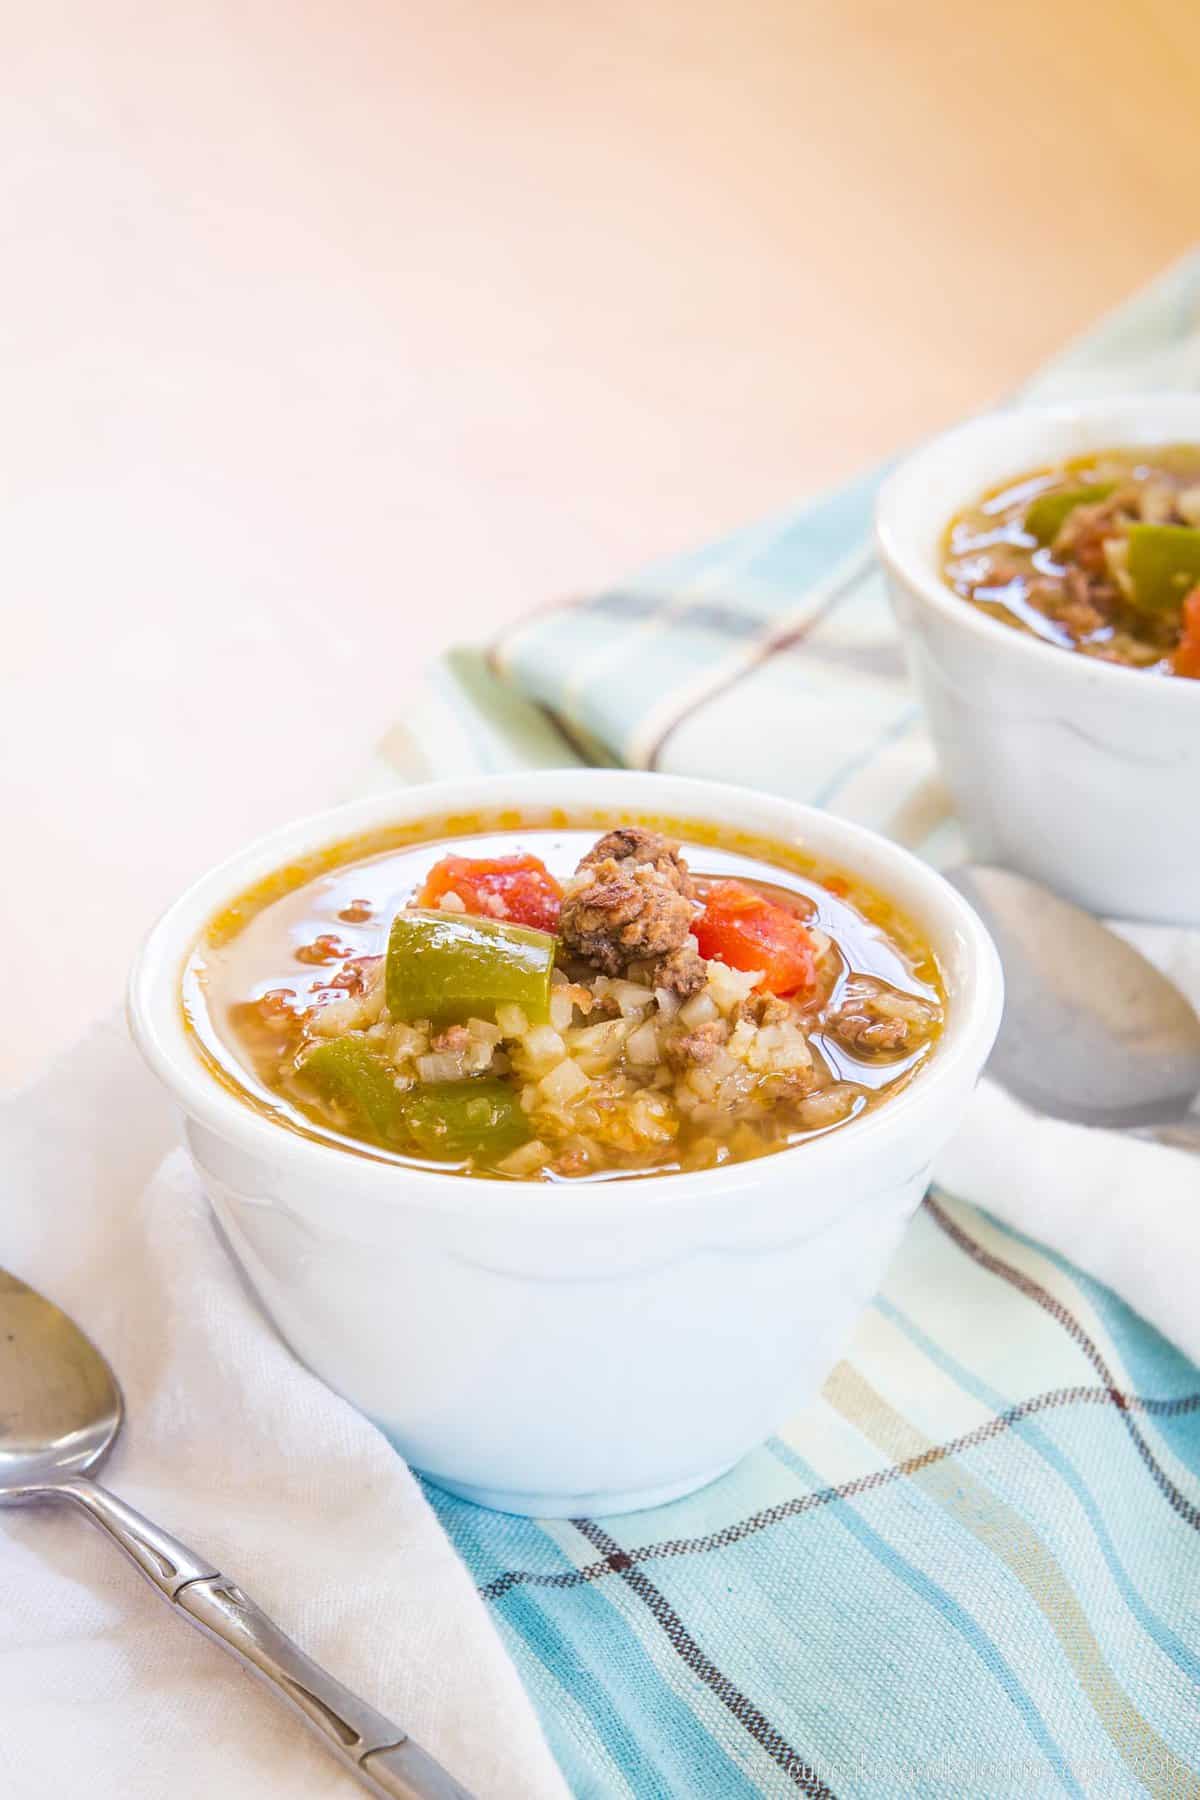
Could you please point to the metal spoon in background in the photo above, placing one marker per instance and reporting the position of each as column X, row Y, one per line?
column 1092, row 1032
column 60, row 1412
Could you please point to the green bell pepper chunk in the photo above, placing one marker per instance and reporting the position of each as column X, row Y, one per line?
column 1048, row 513
column 447, row 1121
column 347, row 1071
column 1164, row 565
column 448, row 967
column 443, row 1121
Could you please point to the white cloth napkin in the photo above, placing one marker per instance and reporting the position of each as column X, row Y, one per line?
column 238, row 1450
column 1124, row 1210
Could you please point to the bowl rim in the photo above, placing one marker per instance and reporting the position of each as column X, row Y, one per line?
column 924, row 578
column 157, row 1027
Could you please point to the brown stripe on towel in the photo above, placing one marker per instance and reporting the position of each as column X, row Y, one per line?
column 978, row 1509
column 1033, row 1290
column 775, row 639
column 744, row 1710
column 846, row 1490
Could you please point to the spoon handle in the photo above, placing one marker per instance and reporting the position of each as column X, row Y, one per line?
column 371, row 1746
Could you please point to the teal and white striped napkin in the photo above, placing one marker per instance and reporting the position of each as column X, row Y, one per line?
column 972, row 1568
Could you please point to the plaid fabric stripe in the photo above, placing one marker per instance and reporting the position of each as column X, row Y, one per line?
column 972, row 1567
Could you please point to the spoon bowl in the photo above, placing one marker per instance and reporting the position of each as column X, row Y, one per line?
column 60, row 1406
column 1092, row 1032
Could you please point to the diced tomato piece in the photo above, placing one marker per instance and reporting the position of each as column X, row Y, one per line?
column 1186, row 660
column 746, row 930
column 520, row 888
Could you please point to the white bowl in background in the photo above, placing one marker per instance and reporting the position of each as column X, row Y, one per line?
column 1080, row 773
column 554, row 1349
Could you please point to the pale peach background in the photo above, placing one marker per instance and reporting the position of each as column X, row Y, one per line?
column 330, row 332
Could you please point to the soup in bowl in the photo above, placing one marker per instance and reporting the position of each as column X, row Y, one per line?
column 1044, row 565
column 565, row 1121
column 1100, row 555
column 556, row 1003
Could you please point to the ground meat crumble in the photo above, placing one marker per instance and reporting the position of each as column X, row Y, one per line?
column 872, row 1019
column 630, row 900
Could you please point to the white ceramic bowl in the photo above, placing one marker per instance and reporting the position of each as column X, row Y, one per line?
column 598, row 1348
column 1077, row 772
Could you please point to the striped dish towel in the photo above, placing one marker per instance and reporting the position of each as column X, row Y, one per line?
column 972, row 1567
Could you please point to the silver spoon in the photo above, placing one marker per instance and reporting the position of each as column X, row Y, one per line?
column 1092, row 1032
column 60, row 1412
